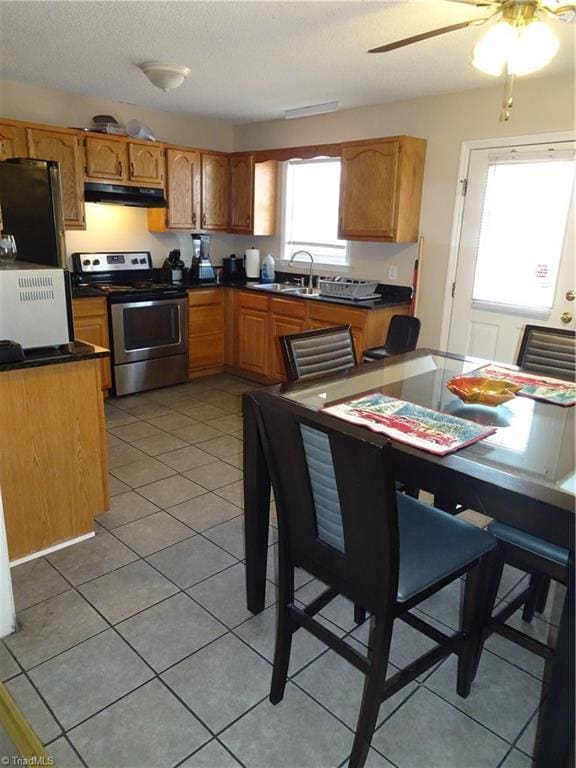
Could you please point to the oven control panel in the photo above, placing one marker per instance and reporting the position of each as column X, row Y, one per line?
column 86, row 263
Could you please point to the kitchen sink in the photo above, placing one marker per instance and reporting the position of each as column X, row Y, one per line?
column 279, row 287
column 299, row 290
column 307, row 291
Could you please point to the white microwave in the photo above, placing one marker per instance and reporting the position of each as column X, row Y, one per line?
column 35, row 305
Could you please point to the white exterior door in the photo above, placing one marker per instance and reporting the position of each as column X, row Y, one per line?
column 516, row 250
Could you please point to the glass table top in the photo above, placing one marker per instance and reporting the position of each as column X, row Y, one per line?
column 533, row 440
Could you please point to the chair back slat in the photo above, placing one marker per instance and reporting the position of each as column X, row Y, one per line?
column 313, row 353
column 548, row 351
column 336, row 502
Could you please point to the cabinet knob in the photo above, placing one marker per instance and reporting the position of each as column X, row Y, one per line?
column 119, row 168
column 132, row 169
column 203, row 219
column 193, row 219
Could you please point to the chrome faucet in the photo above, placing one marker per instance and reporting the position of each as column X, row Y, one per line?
column 307, row 253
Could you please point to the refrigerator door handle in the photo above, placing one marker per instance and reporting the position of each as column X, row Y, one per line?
column 58, row 208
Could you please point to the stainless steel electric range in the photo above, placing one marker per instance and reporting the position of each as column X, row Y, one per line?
column 148, row 319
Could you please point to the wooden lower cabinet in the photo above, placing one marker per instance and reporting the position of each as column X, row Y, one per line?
column 205, row 331
column 260, row 320
column 286, row 317
column 91, row 325
column 251, row 323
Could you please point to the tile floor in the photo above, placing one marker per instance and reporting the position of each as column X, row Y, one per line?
column 136, row 648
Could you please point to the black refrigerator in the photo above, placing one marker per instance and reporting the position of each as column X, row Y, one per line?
column 31, row 207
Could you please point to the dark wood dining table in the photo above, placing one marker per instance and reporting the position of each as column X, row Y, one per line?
column 523, row 475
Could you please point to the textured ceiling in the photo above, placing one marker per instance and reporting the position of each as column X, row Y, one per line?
column 249, row 61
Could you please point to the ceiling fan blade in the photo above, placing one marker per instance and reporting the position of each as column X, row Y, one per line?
column 477, row 3
column 560, row 10
column 426, row 35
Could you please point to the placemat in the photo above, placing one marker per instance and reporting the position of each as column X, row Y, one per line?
column 537, row 387
column 432, row 431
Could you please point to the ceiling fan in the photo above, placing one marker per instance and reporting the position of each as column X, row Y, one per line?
column 517, row 42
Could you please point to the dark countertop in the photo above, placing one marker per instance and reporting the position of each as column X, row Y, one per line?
column 68, row 353
column 390, row 295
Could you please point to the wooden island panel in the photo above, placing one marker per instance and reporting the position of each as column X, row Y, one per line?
column 53, row 455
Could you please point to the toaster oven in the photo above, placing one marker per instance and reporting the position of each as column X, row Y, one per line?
column 35, row 305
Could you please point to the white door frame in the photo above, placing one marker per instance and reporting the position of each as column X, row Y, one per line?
column 467, row 147
column 7, row 609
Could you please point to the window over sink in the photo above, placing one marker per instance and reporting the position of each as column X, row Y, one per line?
column 310, row 221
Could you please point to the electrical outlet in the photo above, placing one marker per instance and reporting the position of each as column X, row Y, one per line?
column 393, row 272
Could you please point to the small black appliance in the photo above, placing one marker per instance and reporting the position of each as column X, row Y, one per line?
column 233, row 270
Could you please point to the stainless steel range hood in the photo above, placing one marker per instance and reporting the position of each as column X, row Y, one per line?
column 120, row 194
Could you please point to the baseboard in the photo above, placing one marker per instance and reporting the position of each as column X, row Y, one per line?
column 53, row 548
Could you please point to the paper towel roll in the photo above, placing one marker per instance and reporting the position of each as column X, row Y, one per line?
column 252, row 263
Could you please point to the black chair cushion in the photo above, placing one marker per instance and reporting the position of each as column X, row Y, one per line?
column 433, row 545
column 532, row 544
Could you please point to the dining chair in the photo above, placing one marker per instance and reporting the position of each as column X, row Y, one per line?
column 325, row 350
column 552, row 352
column 548, row 351
column 402, row 336
column 341, row 519
column 313, row 353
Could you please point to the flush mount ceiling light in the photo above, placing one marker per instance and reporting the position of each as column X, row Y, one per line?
column 518, row 42
column 314, row 109
column 164, row 74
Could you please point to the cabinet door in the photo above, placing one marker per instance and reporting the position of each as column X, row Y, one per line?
column 146, row 163
column 64, row 147
column 215, row 189
column 91, row 325
column 12, row 141
column 241, row 193
column 106, row 159
column 253, row 340
column 281, row 326
column 183, row 171
column 368, row 190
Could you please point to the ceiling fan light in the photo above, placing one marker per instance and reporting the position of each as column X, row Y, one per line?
column 491, row 52
column 536, row 45
column 164, row 75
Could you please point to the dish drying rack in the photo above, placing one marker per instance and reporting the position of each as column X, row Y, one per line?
column 346, row 288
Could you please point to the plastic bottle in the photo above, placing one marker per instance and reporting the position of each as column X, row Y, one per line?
column 267, row 271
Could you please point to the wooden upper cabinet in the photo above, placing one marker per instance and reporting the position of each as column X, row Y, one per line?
column 252, row 195
column 146, row 163
column 241, row 193
column 106, row 159
column 381, row 189
column 12, row 141
column 215, row 175
column 63, row 146
column 183, row 189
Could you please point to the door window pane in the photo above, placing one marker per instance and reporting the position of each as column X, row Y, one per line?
column 523, row 226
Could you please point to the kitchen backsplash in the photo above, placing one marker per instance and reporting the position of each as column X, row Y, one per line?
column 122, row 228
column 119, row 228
